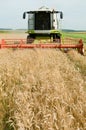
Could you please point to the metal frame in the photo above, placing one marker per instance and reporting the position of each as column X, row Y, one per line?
column 21, row 43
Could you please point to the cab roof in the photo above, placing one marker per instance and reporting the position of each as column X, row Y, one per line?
column 44, row 9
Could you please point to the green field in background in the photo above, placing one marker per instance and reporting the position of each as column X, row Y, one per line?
column 79, row 35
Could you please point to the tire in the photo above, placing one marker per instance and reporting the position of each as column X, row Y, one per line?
column 30, row 40
column 56, row 38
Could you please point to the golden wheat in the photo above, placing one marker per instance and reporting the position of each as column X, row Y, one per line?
column 42, row 90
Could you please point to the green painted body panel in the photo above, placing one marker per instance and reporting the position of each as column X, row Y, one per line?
column 44, row 33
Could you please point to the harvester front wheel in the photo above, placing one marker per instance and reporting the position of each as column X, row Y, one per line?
column 56, row 38
column 30, row 40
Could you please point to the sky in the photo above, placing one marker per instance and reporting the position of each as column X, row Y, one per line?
column 74, row 11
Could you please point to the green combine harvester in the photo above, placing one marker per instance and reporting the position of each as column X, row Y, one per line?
column 44, row 32
column 43, row 24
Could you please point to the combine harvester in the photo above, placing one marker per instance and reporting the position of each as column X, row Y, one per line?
column 43, row 32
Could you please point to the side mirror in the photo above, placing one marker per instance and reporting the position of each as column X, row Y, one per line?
column 61, row 15
column 24, row 15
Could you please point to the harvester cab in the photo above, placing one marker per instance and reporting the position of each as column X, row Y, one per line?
column 43, row 24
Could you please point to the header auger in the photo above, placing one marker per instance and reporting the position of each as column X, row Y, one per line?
column 43, row 32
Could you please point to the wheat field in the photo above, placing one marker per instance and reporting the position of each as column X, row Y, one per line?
column 42, row 89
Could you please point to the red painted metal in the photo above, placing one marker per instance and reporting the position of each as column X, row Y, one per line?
column 21, row 43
